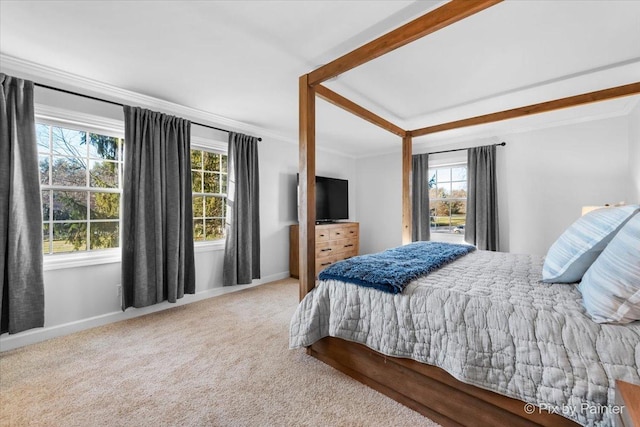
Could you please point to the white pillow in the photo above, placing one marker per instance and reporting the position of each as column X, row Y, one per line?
column 611, row 287
column 579, row 246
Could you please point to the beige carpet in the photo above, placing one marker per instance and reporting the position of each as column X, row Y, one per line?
column 220, row 362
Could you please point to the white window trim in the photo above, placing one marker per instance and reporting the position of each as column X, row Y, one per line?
column 448, row 163
column 219, row 147
column 110, row 127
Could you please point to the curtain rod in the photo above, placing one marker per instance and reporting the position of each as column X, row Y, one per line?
column 117, row 103
column 464, row 149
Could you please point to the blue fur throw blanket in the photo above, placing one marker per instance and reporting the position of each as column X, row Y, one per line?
column 391, row 270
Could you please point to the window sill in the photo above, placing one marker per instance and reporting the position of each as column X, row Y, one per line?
column 216, row 245
column 84, row 259
column 109, row 256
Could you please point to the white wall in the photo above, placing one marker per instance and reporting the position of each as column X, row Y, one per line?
column 379, row 201
column 544, row 177
column 77, row 297
column 634, row 155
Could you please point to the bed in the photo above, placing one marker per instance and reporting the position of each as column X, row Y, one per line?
column 487, row 321
column 426, row 388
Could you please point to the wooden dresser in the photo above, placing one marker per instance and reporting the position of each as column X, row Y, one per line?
column 334, row 242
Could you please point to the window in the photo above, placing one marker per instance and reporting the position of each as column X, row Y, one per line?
column 448, row 199
column 209, row 181
column 81, row 182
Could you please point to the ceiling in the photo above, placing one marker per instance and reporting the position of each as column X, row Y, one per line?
column 241, row 59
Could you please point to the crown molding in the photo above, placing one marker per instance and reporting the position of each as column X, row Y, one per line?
column 54, row 77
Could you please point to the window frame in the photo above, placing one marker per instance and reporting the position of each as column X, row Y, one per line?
column 451, row 164
column 93, row 124
column 216, row 148
column 87, row 188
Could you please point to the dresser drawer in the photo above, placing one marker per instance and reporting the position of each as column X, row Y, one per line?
column 345, row 245
column 325, row 249
column 322, row 234
column 323, row 263
column 351, row 230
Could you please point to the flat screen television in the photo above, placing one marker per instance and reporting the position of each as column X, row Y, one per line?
column 332, row 199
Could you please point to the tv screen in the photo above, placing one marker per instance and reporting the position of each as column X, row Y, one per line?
column 332, row 199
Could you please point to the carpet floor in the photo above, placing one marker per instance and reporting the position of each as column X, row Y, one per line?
column 223, row 361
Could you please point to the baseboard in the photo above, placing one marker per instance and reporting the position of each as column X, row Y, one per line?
column 10, row 342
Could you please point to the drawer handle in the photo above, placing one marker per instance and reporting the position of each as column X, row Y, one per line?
column 337, row 234
column 325, row 250
column 325, row 263
column 348, row 246
column 322, row 235
column 352, row 232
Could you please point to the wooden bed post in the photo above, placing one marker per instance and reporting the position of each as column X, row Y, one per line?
column 406, row 189
column 307, row 187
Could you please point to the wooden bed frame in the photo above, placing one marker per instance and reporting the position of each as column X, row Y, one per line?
column 424, row 388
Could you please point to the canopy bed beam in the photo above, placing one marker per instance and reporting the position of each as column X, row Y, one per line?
column 350, row 106
column 435, row 20
column 543, row 107
column 307, row 186
column 406, row 188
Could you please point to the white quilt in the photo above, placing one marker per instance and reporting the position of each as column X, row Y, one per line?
column 488, row 321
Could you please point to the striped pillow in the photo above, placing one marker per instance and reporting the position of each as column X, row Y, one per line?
column 579, row 246
column 611, row 287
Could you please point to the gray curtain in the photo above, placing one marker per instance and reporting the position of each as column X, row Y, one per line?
column 481, row 228
column 21, row 283
column 242, row 246
column 420, row 197
column 157, row 219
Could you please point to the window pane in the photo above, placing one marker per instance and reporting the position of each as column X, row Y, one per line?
column 103, row 147
column 211, row 183
column 43, row 163
column 46, row 243
column 433, row 193
column 198, row 207
column 459, row 174
column 442, row 209
column 196, row 159
column 223, row 179
column 459, row 190
column 67, row 142
column 42, row 136
column 196, row 182
column 211, row 161
column 198, row 230
column 444, row 190
column 443, row 174
column 69, row 205
column 214, row 207
column 103, row 174
column 105, row 206
column 69, row 171
column 46, row 205
column 458, row 208
column 104, row 235
column 224, row 163
column 215, row 229
column 69, row 237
